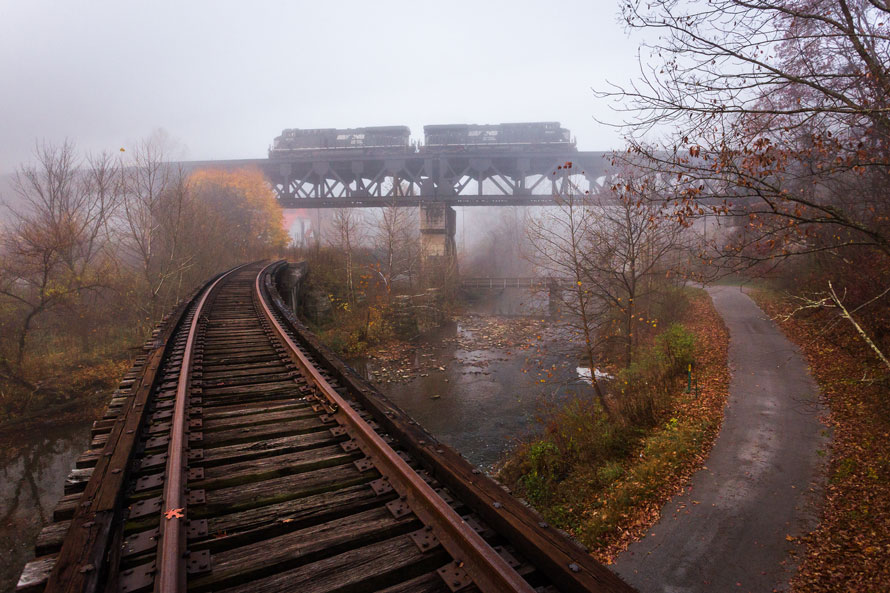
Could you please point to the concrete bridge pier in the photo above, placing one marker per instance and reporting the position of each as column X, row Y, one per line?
column 554, row 297
column 438, row 250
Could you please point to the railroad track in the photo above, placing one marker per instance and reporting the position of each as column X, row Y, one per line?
column 240, row 455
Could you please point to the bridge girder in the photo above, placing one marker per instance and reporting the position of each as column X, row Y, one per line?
column 466, row 178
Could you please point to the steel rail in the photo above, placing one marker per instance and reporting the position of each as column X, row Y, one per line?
column 171, row 547
column 489, row 571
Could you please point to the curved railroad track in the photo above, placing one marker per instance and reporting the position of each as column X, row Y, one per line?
column 240, row 455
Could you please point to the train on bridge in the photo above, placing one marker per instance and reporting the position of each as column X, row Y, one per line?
column 448, row 138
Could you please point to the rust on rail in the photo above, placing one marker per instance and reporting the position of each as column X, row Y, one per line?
column 171, row 547
column 486, row 567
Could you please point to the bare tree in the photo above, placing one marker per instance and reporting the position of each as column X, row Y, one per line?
column 775, row 112
column 559, row 237
column 628, row 252
column 395, row 236
column 347, row 229
column 55, row 247
column 154, row 214
column 616, row 251
column 779, row 109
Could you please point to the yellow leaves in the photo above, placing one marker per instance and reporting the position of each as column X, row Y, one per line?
column 265, row 217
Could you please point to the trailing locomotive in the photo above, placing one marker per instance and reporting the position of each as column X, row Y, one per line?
column 510, row 136
column 386, row 139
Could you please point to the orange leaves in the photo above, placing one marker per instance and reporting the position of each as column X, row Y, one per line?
column 174, row 514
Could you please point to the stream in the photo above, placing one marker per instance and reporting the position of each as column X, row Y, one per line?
column 480, row 381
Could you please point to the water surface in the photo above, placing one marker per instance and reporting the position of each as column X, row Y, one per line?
column 33, row 468
column 480, row 381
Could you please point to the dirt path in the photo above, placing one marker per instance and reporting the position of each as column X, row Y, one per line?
column 733, row 528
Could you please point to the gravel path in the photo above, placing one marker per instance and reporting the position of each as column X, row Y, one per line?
column 731, row 529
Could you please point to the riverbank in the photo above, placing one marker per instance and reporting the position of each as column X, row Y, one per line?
column 610, row 501
column 75, row 393
column 848, row 551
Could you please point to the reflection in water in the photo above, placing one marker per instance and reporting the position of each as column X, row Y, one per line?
column 33, row 467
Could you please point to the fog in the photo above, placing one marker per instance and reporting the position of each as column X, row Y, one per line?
column 224, row 78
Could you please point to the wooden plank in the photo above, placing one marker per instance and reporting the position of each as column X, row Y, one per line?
column 88, row 458
column 267, row 398
column 246, row 563
column 367, row 568
column 65, row 507
column 251, row 408
column 267, row 468
column 252, row 371
column 50, row 538
column 249, row 380
column 233, row 359
column 264, row 388
column 430, row 582
column 36, row 574
column 211, row 368
column 280, row 489
column 263, row 431
column 230, row 421
column 256, row 449
column 298, row 512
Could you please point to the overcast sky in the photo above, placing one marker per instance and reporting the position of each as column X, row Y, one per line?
column 224, row 78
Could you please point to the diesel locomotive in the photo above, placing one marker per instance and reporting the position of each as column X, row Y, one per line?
column 379, row 139
column 548, row 135
column 448, row 138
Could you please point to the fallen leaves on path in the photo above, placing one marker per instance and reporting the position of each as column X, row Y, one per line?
column 849, row 551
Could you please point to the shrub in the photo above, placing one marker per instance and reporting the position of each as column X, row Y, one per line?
column 675, row 348
column 646, row 385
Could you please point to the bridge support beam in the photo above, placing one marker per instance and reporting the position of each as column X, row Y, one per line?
column 438, row 250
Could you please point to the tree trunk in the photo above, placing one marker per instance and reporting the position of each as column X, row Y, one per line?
column 23, row 336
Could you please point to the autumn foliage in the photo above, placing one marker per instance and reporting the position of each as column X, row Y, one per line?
column 97, row 248
column 242, row 206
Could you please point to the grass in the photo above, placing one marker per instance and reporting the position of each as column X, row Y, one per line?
column 605, row 483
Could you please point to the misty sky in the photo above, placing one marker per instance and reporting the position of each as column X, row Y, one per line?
column 223, row 78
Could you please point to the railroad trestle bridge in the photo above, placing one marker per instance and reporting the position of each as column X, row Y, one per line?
column 468, row 177
column 239, row 454
column 435, row 181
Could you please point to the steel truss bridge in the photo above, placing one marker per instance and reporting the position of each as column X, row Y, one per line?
column 470, row 177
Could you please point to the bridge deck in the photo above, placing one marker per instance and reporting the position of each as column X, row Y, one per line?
column 240, row 455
